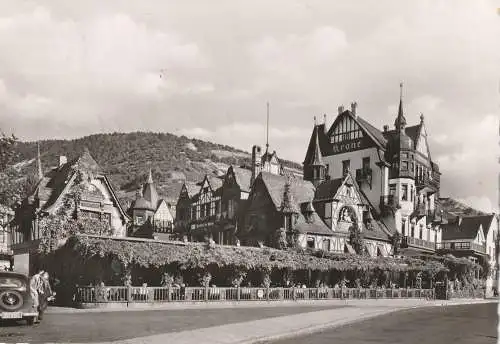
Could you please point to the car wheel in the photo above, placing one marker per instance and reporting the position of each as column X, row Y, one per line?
column 11, row 300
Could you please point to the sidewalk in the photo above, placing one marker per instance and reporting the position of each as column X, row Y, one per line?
column 258, row 304
column 293, row 325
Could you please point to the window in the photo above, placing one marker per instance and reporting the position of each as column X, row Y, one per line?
column 310, row 242
column 403, row 227
column 404, row 192
column 326, row 245
column 366, row 163
column 404, row 155
column 346, row 166
column 217, row 207
column 327, row 170
column 392, row 189
column 139, row 220
column 412, row 231
column 411, row 193
column 404, row 165
column 421, row 231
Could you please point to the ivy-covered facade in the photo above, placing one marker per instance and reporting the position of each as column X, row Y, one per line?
column 72, row 198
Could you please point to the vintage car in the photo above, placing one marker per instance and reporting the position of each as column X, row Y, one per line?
column 15, row 298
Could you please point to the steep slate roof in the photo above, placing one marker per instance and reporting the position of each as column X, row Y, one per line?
column 317, row 159
column 411, row 132
column 315, row 225
column 243, row 177
column 325, row 147
column 215, row 183
column 377, row 134
column 377, row 230
column 192, row 188
column 467, row 229
column 56, row 181
column 300, row 190
column 327, row 189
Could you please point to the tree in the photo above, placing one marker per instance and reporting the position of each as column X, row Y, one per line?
column 356, row 239
column 7, row 150
column 396, row 242
column 280, row 240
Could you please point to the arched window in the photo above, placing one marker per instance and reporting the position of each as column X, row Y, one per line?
column 346, row 214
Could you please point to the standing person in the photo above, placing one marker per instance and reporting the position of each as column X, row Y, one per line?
column 35, row 283
column 45, row 294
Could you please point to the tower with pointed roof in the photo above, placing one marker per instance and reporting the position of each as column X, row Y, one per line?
column 401, row 156
column 315, row 168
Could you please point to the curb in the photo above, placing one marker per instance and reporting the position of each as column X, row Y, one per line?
column 316, row 328
column 343, row 322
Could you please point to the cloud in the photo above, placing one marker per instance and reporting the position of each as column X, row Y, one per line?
column 481, row 203
column 71, row 70
column 249, row 134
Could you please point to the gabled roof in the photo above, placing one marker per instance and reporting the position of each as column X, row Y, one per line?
column 300, row 190
column 372, row 131
column 313, row 225
column 327, row 189
column 191, row 188
column 323, row 136
column 243, row 177
column 56, row 182
column 467, row 228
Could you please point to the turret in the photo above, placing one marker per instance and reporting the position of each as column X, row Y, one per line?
column 317, row 166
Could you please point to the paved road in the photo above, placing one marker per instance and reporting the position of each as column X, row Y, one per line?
column 108, row 326
column 455, row 324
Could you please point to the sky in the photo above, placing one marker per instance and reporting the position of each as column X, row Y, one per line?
column 206, row 69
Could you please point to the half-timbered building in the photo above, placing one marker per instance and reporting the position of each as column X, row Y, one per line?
column 152, row 216
column 79, row 189
column 393, row 168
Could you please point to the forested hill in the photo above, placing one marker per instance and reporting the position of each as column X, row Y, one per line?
column 127, row 157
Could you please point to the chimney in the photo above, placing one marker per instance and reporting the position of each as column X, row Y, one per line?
column 62, row 160
column 325, row 126
column 386, row 128
column 354, row 105
column 256, row 160
column 340, row 109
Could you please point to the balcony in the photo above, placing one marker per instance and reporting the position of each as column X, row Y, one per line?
column 418, row 243
column 424, row 181
column 461, row 246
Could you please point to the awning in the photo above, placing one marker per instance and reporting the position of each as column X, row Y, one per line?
column 350, row 249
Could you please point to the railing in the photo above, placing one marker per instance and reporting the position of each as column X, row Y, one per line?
column 466, row 294
column 426, row 181
column 461, row 245
column 106, row 294
column 410, row 241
